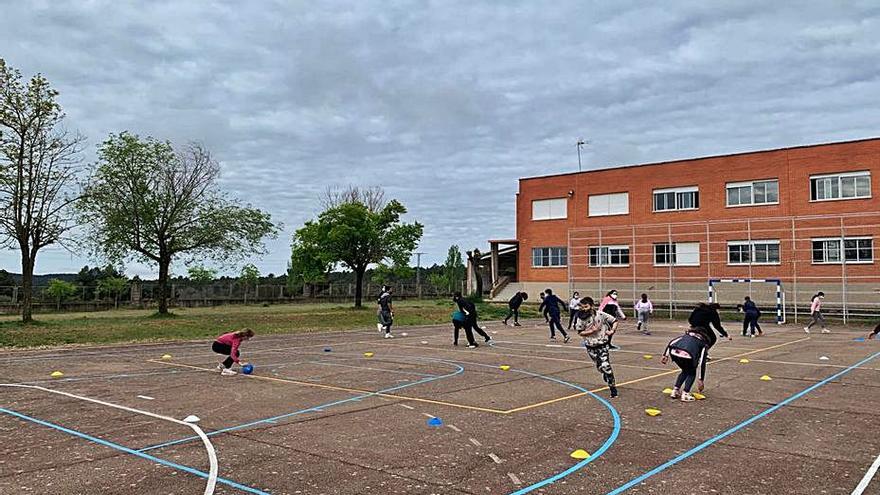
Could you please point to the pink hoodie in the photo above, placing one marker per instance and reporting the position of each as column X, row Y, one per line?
column 816, row 305
column 232, row 340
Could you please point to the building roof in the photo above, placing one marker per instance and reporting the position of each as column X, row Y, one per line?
column 617, row 167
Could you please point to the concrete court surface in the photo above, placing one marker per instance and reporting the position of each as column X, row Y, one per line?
column 320, row 417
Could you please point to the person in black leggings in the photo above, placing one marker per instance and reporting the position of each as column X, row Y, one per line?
column 689, row 352
column 551, row 305
column 513, row 307
column 470, row 312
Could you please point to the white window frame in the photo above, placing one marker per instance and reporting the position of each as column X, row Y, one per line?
column 842, row 250
column 677, row 191
column 608, row 250
column 604, row 210
column 751, row 185
column 838, row 177
column 550, row 202
column 752, row 250
column 674, row 254
column 550, row 256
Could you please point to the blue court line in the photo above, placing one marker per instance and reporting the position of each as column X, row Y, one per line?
column 127, row 450
column 736, row 428
column 275, row 419
column 615, row 432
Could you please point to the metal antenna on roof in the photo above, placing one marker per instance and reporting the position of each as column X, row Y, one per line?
column 580, row 142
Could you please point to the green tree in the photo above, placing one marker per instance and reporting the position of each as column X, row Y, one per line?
column 148, row 202
column 386, row 274
column 201, row 277
column 112, row 286
column 60, row 290
column 39, row 173
column 308, row 265
column 355, row 236
column 249, row 276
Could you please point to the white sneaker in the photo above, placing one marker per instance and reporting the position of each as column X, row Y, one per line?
column 220, row 367
column 675, row 393
column 687, row 397
column 825, row 330
column 807, row 329
column 379, row 326
column 228, row 372
column 389, row 336
column 490, row 342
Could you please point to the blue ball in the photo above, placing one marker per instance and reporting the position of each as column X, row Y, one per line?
column 247, row 369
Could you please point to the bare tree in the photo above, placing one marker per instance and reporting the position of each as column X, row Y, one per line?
column 39, row 171
column 372, row 197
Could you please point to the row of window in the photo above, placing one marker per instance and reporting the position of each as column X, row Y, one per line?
column 759, row 252
column 851, row 185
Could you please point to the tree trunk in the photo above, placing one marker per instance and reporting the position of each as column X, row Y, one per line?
column 358, row 286
column 163, row 285
column 27, row 286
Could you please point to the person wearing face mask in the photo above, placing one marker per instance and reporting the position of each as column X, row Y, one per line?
column 816, row 313
column 610, row 306
column 573, row 304
column 596, row 328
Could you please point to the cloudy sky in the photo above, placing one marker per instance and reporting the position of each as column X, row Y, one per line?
column 445, row 104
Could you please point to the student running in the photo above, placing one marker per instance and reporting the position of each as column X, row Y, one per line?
column 573, row 304
column 513, row 306
column 751, row 314
column 816, row 313
column 546, row 316
column 644, row 309
column 612, row 307
column 470, row 313
column 459, row 322
column 385, row 312
column 689, row 352
column 596, row 328
column 228, row 345
column 551, row 306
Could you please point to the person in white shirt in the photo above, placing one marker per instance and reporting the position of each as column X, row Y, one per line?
column 644, row 309
column 573, row 304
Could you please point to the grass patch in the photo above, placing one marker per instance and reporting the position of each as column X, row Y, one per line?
column 128, row 325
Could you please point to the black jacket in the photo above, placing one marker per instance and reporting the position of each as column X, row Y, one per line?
column 552, row 304
column 706, row 317
column 467, row 307
column 516, row 301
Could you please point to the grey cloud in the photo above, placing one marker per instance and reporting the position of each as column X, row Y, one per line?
column 448, row 104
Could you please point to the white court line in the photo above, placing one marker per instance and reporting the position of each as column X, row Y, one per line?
column 868, row 477
column 475, row 442
column 406, row 406
column 212, row 454
column 454, row 428
column 146, row 397
column 428, row 415
column 496, row 458
column 514, row 478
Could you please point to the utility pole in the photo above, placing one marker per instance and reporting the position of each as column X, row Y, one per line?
column 580, row 142
column 419, row 274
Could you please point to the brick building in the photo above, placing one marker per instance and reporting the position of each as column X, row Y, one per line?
column 807, row 215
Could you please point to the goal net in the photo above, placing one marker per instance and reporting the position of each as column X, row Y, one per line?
column 767, row 294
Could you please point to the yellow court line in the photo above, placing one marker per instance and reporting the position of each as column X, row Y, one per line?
column 505, row 354
column 651, row 377
column 344, row 389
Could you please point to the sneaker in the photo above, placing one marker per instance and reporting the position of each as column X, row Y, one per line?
column 752, row 336
column 228, row 372
column 676, row 394
column 472, row 346
column 613, row 391
column 825, row 330
column 687, row 397
column 455, row 344
column 516, row 324
column 389, row 336
column 807, row 329
column 553, row 339
column 220, row 367
column 490, row 342
column 379, row 326
column 614, row 347
column 646, row 333
column 567, row 339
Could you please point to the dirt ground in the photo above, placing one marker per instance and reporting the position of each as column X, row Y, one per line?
column 320, row 417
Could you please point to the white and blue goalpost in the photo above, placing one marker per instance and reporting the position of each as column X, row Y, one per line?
column 780, row 295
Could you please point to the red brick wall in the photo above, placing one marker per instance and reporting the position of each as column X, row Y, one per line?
column 792, row 167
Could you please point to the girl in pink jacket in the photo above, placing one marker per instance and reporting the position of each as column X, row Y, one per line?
column 227, row 345
column 816, row 313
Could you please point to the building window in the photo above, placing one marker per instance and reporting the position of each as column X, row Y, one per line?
column 760, row 192
column 754, row 253
column 549, row 256
column 850, row 185
column 609, row 204
column 680, row 198
column 678, row 254
column 609, row 256
column 550, row 209
column 855, row 250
